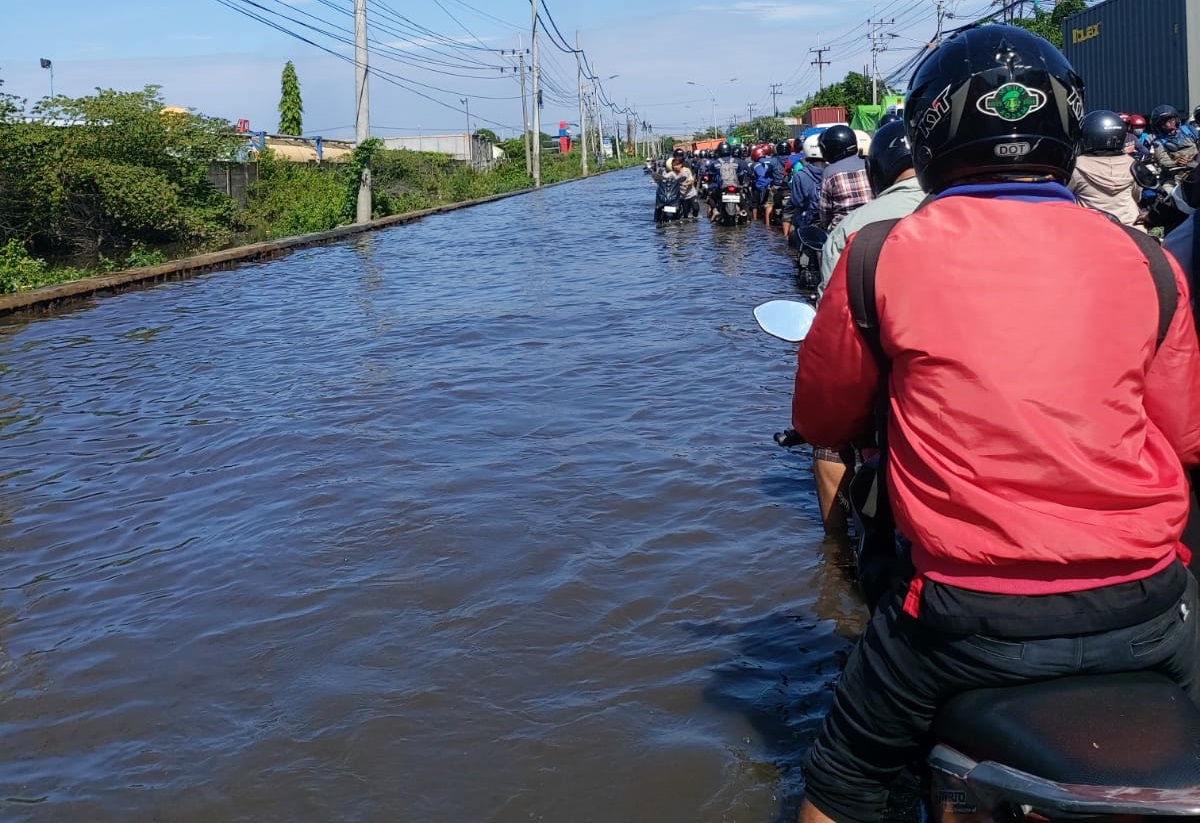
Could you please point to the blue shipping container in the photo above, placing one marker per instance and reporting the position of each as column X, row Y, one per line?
column 1136, row 54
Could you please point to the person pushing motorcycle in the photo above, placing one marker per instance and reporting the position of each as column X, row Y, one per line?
column 1042, row 399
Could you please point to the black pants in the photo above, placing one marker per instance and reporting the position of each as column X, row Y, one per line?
column 900, row 671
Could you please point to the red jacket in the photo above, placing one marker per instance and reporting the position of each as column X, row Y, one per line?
column 1035, row 434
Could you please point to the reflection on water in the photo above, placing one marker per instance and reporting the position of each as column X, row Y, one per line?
column 474, row 518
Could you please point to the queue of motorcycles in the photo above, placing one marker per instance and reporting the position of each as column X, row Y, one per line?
column 1102, row 748
column 1160, row 193
column 730, row 202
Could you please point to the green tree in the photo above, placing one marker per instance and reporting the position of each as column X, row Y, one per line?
column 851, row 91
column 487, row 134
column 1048, row 24
column 291, row 108
column 105, row 171
column 768, row 128
column 11, row 107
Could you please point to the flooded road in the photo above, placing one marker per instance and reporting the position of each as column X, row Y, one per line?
column 477, row 518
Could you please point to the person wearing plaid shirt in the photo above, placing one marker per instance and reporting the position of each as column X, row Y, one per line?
column 843, row 189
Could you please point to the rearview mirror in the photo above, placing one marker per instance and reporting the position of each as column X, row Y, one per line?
column 788, row 320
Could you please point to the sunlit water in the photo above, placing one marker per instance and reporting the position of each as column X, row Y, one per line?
column 473, row 519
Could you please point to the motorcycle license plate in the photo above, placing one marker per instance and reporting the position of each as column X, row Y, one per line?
column 731, row 198
column 670, row 209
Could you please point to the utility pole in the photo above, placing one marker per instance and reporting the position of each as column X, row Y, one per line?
column 751, row 107
column 776, row 90
column 819, row 63
column 362, row 128
column 525, row 113
column 878, row 44
column 599, row 117
column 583, row 169
column 941, row 12
column 536, row 137
column 616, row 137
column 466, row 101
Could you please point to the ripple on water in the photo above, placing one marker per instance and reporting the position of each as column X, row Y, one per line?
column 477, row 517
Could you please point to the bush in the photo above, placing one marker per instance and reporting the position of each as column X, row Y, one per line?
column 18, row 270
column 294, row 198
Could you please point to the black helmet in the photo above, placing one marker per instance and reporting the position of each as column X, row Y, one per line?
column 837, row 142
column 723, row 149
column 889, row 117
column 783, row 148
column 1162, row 114
column 889, row 155
column 678, row 152
column 993, row 100
column 1103, row 133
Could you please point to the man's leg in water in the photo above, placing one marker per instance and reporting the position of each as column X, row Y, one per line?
column 831, row 475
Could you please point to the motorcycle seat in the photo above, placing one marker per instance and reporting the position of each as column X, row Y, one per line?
column 1136, row 729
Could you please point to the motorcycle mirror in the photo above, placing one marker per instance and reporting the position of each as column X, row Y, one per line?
column 788, row 320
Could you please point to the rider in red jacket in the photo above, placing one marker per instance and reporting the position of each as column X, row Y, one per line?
column 1037, row 431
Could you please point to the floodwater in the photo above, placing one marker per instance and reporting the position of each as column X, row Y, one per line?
column 473, row 519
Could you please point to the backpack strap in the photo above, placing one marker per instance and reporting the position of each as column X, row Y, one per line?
column 862, row 258
column 1195, row 218
column 1164, row 279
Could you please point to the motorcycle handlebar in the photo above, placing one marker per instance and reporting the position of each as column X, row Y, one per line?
column 788, row 438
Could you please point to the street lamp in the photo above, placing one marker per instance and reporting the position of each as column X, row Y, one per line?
column 712, row 97
column 46, row 64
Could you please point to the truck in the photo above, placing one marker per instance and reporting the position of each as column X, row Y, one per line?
column 1134, row 55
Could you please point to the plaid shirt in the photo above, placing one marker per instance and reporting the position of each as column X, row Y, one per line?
column 844, row 188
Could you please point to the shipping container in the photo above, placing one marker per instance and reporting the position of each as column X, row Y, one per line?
column 824, row 116
column 706, row 145
column 1136, row 54
column 480, row 153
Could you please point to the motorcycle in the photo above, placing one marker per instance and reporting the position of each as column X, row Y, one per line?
column 1158, row 200
column 732, row 205
column 668, row 200
column 808, row 242
column 1107, row 748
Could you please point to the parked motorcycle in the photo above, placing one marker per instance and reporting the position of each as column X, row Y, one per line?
column 1105, row 748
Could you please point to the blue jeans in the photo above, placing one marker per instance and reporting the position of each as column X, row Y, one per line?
column 900, row 671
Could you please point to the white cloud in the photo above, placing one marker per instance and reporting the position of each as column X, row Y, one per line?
column 774, row 12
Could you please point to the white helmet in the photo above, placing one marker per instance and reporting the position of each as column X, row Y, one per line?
column 812, row 150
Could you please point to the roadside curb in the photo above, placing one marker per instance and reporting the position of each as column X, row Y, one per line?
column 49, row 298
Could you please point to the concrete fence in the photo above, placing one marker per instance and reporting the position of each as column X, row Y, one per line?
column 233, row 178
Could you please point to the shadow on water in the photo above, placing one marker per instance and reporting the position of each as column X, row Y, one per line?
column 771, row 679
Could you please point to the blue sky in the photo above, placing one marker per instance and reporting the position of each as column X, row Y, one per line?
column 678, row 64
